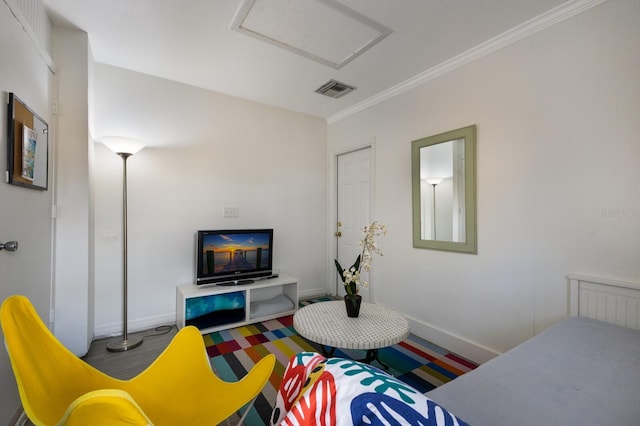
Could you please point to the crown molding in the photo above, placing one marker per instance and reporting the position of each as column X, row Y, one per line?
column 526, row 29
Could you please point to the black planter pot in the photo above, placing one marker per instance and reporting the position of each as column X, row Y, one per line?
column 353, row 311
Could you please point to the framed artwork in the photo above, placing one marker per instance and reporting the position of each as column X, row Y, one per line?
column 27, row 146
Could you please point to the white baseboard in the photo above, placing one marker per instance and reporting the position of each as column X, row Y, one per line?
column 115, row 329
column 314, row 292
column 458, row 345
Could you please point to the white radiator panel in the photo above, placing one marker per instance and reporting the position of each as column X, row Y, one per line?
column 615, row 302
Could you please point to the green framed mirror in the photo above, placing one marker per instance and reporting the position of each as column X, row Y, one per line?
column 443, row 169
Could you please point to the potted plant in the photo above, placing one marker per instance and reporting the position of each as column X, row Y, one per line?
column 351, row 276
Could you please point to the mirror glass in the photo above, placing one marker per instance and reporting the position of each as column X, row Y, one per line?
column 444, row 196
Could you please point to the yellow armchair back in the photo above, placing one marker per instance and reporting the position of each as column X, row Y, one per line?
column 178, row 388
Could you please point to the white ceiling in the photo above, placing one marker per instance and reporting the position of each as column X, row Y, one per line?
column 192, row 42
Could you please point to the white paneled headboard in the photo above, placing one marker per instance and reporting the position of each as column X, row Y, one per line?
column 615, row 302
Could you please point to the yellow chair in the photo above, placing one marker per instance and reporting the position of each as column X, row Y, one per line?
column 178, row 388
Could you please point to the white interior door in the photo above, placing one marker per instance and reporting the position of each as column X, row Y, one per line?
column 353, row 210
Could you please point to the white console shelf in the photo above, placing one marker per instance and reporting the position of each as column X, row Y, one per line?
column 263, row 300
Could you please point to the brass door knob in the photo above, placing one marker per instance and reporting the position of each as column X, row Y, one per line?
column 338, row 234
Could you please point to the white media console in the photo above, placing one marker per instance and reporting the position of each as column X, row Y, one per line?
column 217, row 307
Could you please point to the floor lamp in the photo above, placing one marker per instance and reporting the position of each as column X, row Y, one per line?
column 125, row 148
column 434, row 181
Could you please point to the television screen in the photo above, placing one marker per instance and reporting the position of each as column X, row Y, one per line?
column 229, row 256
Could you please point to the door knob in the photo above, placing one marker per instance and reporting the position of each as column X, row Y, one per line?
column 338, row 234
column 9, row 246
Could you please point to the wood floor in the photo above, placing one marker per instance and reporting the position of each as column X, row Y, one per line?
column 127, row 364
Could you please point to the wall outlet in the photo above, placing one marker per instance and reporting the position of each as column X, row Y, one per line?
column 231, row 212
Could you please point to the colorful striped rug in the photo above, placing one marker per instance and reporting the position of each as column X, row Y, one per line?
column 233, row 352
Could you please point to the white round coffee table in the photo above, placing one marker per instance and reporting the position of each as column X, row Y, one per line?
column 376, row 327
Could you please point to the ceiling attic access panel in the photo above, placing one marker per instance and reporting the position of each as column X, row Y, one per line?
column 325, row 31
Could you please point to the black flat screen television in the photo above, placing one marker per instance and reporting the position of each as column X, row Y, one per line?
column 229, row 257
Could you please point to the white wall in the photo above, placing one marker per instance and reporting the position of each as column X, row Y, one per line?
column 24, row 213
column 205, row 151
column 73, row 308
column 558, row 118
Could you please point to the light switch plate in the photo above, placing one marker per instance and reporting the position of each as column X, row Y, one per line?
column 231, row 212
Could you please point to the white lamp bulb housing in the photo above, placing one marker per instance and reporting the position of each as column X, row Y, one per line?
column 434, row 180
column 121, row 144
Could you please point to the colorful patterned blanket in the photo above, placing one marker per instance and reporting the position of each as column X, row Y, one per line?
column 333, row 391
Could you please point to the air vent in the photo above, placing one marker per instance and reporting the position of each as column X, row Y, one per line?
column 334, row 89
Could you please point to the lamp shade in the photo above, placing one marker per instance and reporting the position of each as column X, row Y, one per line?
column 434, row 180
column 121, row 144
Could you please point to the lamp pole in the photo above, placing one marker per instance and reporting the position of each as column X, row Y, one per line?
column 434, row 181
column 434, row 210
column 119, row 146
